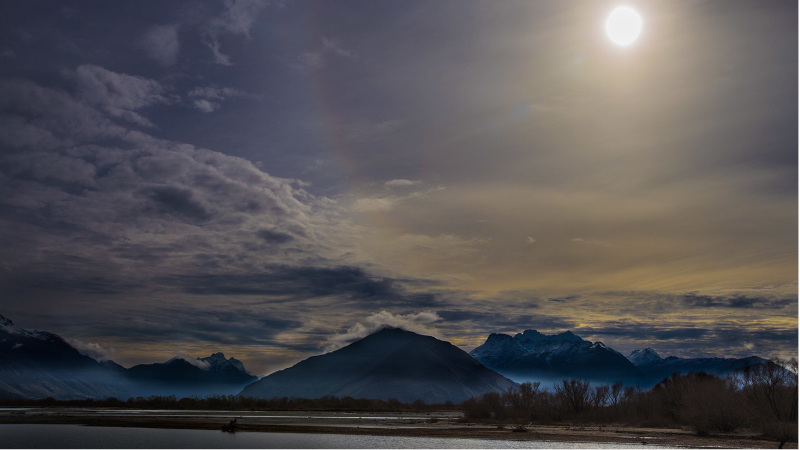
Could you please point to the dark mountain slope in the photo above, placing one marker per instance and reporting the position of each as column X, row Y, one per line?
column 656, row 368
column 35, row 364
column 391, row 363
column 202, row 377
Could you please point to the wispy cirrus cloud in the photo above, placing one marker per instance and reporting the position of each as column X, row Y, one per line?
column 237, row 19
column 208, row 99
column 326, row 48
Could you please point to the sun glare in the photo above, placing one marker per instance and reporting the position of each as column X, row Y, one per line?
column 623, row 26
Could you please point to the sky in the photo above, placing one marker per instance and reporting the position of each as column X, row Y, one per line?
column 272, row 179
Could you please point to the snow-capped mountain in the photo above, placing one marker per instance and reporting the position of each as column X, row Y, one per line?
column 391, row 363
column 533, row 355
column 645, row 357
column 38, row 364
column 217, row 361
column 186, row 377
column 656, row 368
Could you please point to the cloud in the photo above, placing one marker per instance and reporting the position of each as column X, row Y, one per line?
column 205, row 105
column 374, row 204
column 482, row 323
column 735, row 302
column 295, row 283
column 312, row 60
column 364, row 130
column 175, row 200
column 214, row 325
column 193, row 361
column 98, row 208
column 317, row 59
column 42, row 118
column 593, row 241
column 160, row 43
column 92, row 350
column 237, row 20
column 118, row 95
column 334, row 46
column 401, row 183
column 274, row 237
column 420, row 322
column 208, row 99
column 393, row 193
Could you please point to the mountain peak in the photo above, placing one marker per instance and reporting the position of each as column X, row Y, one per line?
column 5, row 322
column 390, row 363
column 214, row 359
column 644, row 356
column 388, row 329
column 217, row 361
column 6, row 325
column 532, row 339
column 568, row 336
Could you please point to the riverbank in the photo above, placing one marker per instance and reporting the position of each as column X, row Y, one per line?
column 432, row 425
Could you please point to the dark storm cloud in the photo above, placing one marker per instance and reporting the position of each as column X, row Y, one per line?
column 506, row 322
column 767, row 336
column 118, row 95
column 21, row 281
column 662, row 302
column 229, row 326
column 112, row 206
column 176, row 200
column 711, row 335
column 566, row 299
column 297, row 283
column 274, row 237
column 737, row 302
column 712, row 339
column 646, row 331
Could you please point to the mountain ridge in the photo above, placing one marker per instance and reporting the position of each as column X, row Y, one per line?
column 532, row 355
column 390, row 363
column 39, row 364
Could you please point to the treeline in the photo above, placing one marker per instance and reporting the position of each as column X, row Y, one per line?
column 762, row 397
column 237, row 403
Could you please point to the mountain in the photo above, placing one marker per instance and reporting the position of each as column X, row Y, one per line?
column 391, row 363
column 200, row 377
column 531, row 355
column 38, row 364
column 656, row 368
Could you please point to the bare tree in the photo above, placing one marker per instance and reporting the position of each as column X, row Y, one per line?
column 573, row 395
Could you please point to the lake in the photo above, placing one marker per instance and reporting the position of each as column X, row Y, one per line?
column 79, row 436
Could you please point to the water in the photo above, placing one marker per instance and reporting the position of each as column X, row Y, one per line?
column 79, row 436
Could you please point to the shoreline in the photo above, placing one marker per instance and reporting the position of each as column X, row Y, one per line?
column 385, row 424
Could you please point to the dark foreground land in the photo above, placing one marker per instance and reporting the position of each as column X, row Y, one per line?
column 442, row 424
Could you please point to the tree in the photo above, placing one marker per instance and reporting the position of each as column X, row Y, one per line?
column 573, row 395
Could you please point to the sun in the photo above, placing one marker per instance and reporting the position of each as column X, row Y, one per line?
column 623, row 26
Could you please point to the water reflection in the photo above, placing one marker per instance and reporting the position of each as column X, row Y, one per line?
column 78, row 436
